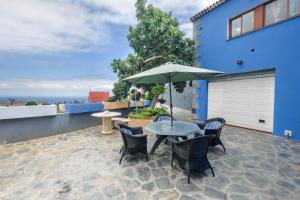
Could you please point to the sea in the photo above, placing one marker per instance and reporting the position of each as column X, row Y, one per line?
column 49, row 100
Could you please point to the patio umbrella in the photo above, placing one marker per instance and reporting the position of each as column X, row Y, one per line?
column 171, row 73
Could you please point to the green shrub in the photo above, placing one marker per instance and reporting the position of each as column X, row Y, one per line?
column 147, row 113
column 148, row 96
column 112, row 99
column 76, row 102
column 45, row 103
column 31, row 103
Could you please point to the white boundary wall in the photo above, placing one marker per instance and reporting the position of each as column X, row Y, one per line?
column 15, row 112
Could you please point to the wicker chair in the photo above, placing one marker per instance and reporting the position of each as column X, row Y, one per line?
column 163, row 117
column 191, row 154
column 134, row 141
column 214, row 127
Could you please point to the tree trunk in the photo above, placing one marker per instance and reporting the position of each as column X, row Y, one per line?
column 154, row 101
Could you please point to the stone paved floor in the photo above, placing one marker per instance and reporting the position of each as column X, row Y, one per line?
column 84, row 165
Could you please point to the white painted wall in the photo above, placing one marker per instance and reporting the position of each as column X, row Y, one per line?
column 14, row 112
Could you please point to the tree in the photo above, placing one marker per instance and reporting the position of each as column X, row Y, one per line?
column 120, row 89
column 156, row 34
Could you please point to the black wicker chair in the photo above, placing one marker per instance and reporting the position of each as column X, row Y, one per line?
column 134, row 141
column 214, row 127
column 191, row 154
column 163, row 117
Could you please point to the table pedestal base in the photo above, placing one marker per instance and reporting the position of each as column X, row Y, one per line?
column 106, row 126
column 157, row 143
column 159, row 139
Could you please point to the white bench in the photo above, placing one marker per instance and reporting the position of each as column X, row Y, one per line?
column 117, row 120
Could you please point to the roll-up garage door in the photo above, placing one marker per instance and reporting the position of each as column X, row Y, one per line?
column 244, row 100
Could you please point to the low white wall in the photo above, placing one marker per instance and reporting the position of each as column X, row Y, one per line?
column 14, row 112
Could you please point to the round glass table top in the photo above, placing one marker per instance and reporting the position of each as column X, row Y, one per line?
column 106, row 114
column 179, row 128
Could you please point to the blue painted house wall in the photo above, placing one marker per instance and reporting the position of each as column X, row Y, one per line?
column 276, row 46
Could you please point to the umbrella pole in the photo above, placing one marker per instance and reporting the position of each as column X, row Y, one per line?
column 171, row 103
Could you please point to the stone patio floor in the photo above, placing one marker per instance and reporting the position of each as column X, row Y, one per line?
column 84, row 165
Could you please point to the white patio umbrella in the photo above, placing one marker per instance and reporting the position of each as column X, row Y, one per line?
column 171, row 73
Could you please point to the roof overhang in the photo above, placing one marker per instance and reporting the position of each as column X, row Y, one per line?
column 207, row 9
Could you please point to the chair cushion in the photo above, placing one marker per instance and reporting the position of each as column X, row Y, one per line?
column 164, row 118
column 212, row 125
column 127, row 131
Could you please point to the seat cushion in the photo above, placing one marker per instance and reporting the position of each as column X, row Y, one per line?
column 127, row 131
column 164, row 118
column 213, row 125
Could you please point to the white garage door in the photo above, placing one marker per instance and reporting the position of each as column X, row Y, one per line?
column 243, row 100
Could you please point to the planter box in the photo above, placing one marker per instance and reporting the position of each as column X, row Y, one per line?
column 139, row 122
column 134, row 104
column 83, row 108
column 115, row 105
column 15, row 112
column 147, row 102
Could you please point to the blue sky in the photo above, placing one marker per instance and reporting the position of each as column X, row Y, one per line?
column 65, row 47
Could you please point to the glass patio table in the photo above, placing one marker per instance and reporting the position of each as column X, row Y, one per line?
column 163, row 129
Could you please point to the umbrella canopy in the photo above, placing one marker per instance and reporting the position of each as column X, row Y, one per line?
column 176, row 72
column 171, row 73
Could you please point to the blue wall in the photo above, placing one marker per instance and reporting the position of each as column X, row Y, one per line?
column 82, row 108
column 277, row 47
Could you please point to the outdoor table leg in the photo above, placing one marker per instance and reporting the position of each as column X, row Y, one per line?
column 106, row 126
column 157, row 143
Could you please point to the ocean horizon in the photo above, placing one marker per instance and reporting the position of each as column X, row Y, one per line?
column 45, row 99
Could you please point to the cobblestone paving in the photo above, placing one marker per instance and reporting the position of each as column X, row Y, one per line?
column 84, row 165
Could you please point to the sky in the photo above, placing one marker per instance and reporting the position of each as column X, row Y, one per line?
column 65, row 47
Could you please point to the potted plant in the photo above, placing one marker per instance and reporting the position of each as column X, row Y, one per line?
column 112, row 104
column 143, row 117
column 148, row 99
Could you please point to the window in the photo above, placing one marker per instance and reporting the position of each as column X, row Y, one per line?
column 242, row 24
column 265, row 14
column 248, row 22
column 276, row 11
column 294, row 8
column 236, row 27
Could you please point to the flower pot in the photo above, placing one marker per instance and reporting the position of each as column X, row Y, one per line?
column 139, row 122
column 147, row 102
column 115, row 105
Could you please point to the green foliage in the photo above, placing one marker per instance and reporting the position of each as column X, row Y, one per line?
column 148, row 96
column 112, row 99
column 45, row 103
column 147, row 113
column 76, row 102
column 157, row 90
column 120, row 89
column 157, row 33
column 31, row 103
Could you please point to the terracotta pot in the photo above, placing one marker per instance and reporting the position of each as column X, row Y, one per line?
column 139, row 122
column 115, row 105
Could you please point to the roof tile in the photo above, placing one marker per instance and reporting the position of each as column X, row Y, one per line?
column 207, row 9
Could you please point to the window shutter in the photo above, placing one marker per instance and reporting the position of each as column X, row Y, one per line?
column 259, row 17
